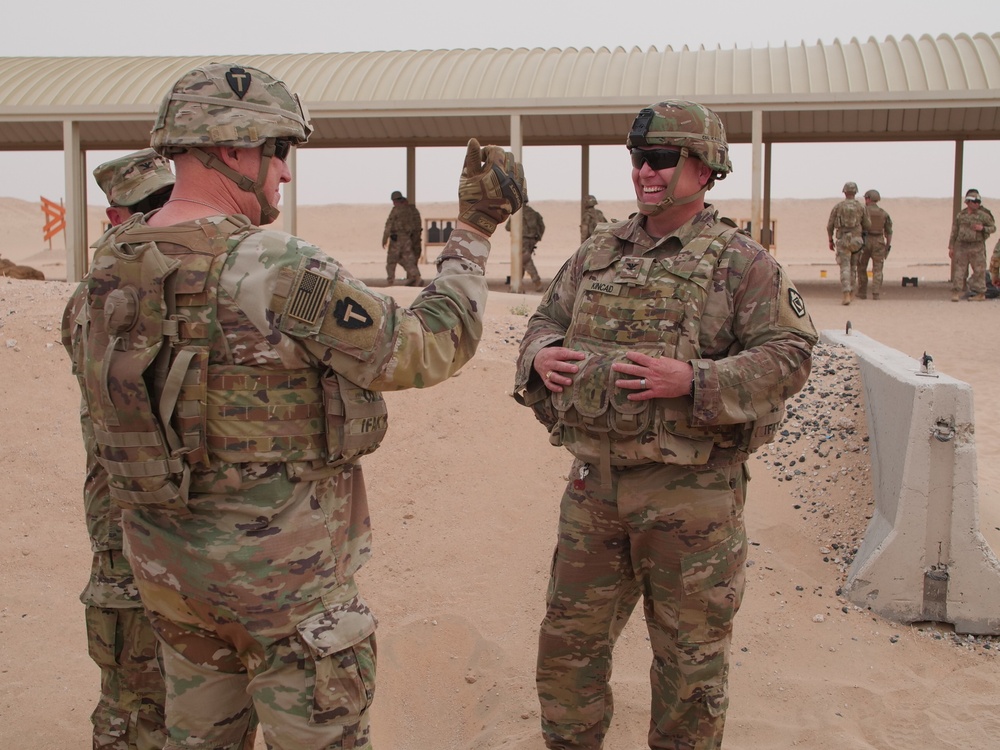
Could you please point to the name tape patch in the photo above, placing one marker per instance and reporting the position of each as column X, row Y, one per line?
column 604, row 287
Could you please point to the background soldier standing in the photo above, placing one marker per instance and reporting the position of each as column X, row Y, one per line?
column 967, row 247
column 130, row 711
column 403, row 233
column 850, row 220
column 592, row 216
column 233, row 376
column 532, row 230
column 660, row 356
column 878, row 243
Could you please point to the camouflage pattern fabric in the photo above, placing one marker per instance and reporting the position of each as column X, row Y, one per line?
column 670, row 530
column 403, row 232
column 849, row 219
column 263, row 558
column 592, row 216
column 874, row 250
column 968, row 246
column 995, row 264
column 677, row 533
column 131, row 178
column 130, row 711
column 532, row 230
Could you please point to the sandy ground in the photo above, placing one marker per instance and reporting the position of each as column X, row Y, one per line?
column 464, row 496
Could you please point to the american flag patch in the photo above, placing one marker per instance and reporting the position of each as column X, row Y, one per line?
column 306, row 300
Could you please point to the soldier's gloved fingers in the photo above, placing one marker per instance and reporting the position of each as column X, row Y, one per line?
column 473, row 159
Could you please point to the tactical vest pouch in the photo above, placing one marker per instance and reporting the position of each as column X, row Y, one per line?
column 356, row 419
column 594, row 403
column 143, row 456
column 966, row 233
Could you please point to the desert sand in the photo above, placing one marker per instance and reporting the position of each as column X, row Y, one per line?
column 464, row 499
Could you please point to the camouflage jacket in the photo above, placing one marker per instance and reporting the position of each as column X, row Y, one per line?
column 261, row 537
column 754, row 338
column 403, row 219
column 850, row 216
column 962, row 229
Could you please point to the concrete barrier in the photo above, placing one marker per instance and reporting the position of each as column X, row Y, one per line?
column 923, row 558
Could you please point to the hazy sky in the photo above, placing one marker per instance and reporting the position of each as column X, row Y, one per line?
column 101, row 27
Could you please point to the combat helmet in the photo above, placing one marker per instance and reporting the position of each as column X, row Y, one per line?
column 692, row 128
column 873, row 195
column 973, row 195
column 223, row 104
column 590, row 202
column 851, row 188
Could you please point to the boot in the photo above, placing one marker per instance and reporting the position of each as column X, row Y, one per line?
column 847, row 299
column 981, row 297
column 874, row 295
column 862, row 295
column 956, row 296
column 539, row 286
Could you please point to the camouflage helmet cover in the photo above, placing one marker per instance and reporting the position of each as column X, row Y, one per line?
column 873, row 195
column 972, row 195
column 683, row 123
column 130, row 179
column 591, row 201
column 223, row 104
column 396, row 196
column 850, row 187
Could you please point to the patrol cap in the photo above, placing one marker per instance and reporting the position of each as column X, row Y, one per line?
column 130, row 179
column 873, row 195
column 973, row 195
column 850, row 187
column 396, row 196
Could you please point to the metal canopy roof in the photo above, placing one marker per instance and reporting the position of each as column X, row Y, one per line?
column 906, row 89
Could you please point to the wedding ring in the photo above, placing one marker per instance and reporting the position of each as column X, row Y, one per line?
column 548, row 374
column 642, row 382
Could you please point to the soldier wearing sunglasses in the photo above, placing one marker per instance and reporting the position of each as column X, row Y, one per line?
column 660, row 356
column 967, row 247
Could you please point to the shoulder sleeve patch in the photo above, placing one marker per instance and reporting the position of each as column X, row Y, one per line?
column 355, row 318
column 309, row 292
column 796, row 302
column 792, row 313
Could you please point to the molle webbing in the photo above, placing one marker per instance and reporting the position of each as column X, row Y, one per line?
column 265, row 415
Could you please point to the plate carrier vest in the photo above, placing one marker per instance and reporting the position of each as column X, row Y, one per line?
column 162, row 389
column 654, row 306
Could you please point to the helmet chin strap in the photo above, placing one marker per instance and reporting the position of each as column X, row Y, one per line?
column 655, row 209
column 268, row 213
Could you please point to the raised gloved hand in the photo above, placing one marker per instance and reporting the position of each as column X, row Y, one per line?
column 492, row 187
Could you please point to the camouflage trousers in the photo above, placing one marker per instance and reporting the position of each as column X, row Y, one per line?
column 527, row 264
column 969, row 256
column 401, row 251
column 308, row 673
column 129, row 714
column 848, row 248
column 675, row 536
column 874, row 251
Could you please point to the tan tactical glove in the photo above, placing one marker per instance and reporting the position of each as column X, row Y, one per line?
column 492, row 187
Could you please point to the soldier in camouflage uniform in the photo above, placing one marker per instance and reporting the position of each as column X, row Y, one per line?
column 592, row 216
column 233, row 375
column 850, row 221
column 967, row 247
column 129, row 713
column 660, row 356
column 532, row 230
column 402, row 235
column 878, row 243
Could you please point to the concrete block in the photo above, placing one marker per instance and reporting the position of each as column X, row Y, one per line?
column 923, row 557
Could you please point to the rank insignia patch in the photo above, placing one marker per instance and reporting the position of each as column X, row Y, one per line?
column 306, row 300
column 238, row 80
column 348, row 313
column 797, row 303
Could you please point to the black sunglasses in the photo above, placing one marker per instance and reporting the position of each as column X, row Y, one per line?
column 658, row 158
column 282, row 146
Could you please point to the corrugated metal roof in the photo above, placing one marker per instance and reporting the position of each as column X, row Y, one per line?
column 927, row 87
